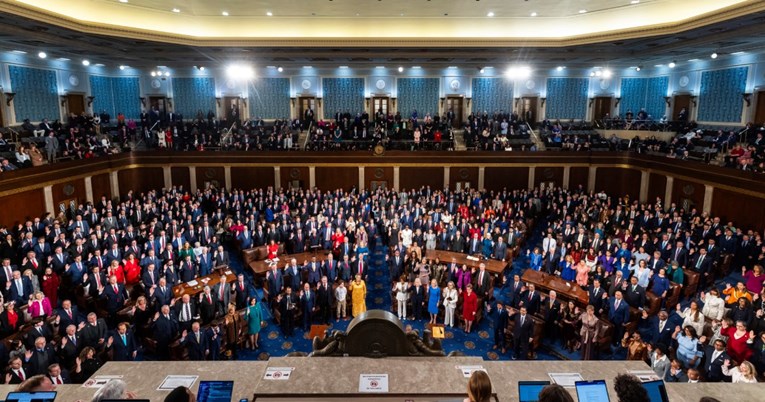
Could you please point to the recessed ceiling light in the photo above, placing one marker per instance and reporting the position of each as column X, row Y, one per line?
column 153, row 73
column 737, row 53
column 490, row 14
column 176, row 10
column 307, row 66
column 85, row 63
column 99, row 65
column 637, row 68
column 560, row 68
column 18, row 51
column 481, row 70
column 270, row 14
column 598, row 73
column 607, row 74
column 672, row 64
column 343, row 67
column 534, row 14
column 582, row 11
column 280, row 69
column 62, row 59
column 401, row 69
column 658, row 65
column 635, row 2
column 123, row 1
column 201, row 68
column 714, row 55
column 42, row 55
column 417, row 67
column 692, row 60
column 167, row 73
column 225, row 13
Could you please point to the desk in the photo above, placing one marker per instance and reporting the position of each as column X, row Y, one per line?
column 493, row 266
column 199, row 286
column 261, row 267
column 565, row 290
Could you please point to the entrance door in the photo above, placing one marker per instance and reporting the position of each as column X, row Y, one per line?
column 380, row 104
column 454, row 103
column 231, row 105
column 759, row 115
column 75, row 103
column 602, row 108
column 159, row 103
column 682, row 102
column 305, row 103
column 529, row 109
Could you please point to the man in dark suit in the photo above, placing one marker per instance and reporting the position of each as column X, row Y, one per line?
column 69, row 346
column 517, row 289
column 522, row 333
column 324, row 299
column 597, row 297
column 361, row 267
column 275, row 281
column 619, row 315
column 19, row 288
column 530, row 299
column 16, row 371
column 196, row 342
column 162, row 294
column 308, row 305
column 500, row 323
column 241, row 292
column 96, row 280
column 39, row 329
column 330, row 268
column 93, row 333
column 701, row 262
column 58, row 375
column 220, row 257
column 659, row 329
column 715, row 357
column 122, row 344
column 550, row 309
column 208, row 304
column 164, row 328
column 116, row 296
column 418, row 298
column 458, row 243
column 474, row 247
column 344, row 270
column 483, row 282
column 185, row 312
column 635, row 294
column 67, row 315
column 38, row 359
column 287, row 307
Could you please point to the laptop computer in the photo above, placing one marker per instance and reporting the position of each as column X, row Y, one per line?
column 48, row 396
column 215, row 391
column 528, row 391
column 592, row 391
column 657, row 392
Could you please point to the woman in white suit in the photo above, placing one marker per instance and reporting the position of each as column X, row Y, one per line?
column 450, row 303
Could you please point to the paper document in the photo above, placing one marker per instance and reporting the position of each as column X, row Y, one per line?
column 565, row 379
column 278, row 373
column 467, row 371
column 172, row 382
column 373, row 383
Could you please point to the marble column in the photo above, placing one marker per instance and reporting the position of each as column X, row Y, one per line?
column 311, row 176
column 48, row 194
column 668, row 191
column 168, row 176
column 566, row 176
column 446, row 176
column 227, row 176
column 193, row 177
column 396, row 178
column 362, row 181
column 532, row 171
column 644, row 181
column 591, row 178
column 277, row 178
column 708, row 194
column 114, row 182
column 481, row 177
column 89, row 189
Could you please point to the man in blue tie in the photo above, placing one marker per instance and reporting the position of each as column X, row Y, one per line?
column 619, row 315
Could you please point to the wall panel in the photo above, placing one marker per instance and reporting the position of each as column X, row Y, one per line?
column 416, row 177
column 511, row 178
column 213, row 175
column 141, row 180
column 547, row 175
column 181, row 177
column 578, row 176
column 290, row 174
column 464, row 174
column 330, row 178
column 657, row 186
column 688, row 195
column 18, row 207
column 269, row 98
column 101, row 186
column 36, row 93
column 618, row 181
column 378, row 174
column 566, row 98
column 745, row 211
column 69, row 190
column 252, row 177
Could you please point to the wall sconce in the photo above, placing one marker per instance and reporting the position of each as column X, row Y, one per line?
column 170, row 102
column 543, row 101
column 217, row 100
column 617, row 102
column 748, row 98
column 693, row 99
column 63, row 100
column 394, row 99
column 516, row 101
column 9, row 98
column 591, row 101
column 90, row 100
column 143, row 101
column 667, row 99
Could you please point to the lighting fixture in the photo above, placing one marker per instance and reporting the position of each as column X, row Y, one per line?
column 592, row 73
column 18, row 52
column 176, row 10
column 237, row 71
column 635, row 2
column 401, row 69
column 582, row 11
column 42, row 55
column 416, row 67
column 560, row 68
column 714, row 55
column 225, row 13
column 343, row 67
column 518, row 72
column 85, row 63
column 280, row 69
column 672, row 64
column 122, row 67
column 490, row 14
column 534, row 14
column 201, row 68
column 598, row 73
column 270, row 14
column 607, row 73
column 167, row 73
column 638, row 68
column 123, row 1
column 738, row 53
column 481, row 70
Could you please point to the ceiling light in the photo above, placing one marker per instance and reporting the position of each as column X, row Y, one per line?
column 592, row 73
column 85, row 63
column 123, row 1
column 167, row 73
column 635, row 2
column 692, row 60
column 534, row 14
column 42, row 55
column 380, row 67
column 237, row 71
column 122, row 67
column 714, row 55
column 481, row 70
column 18, row 51
column 560, row 68
column 490, row 14
column 343, row 67
column 607, row 73
column 737, row 53
column 582, row 11
column 518, row 72
column 672, row 64
column 153, row 73
column 62, row 59
column 307, row 66
column 225, row 13
column 176, row 10
column 598, row 73
column 658, row 65
column 638, row 68
column 270, row 14
column 201, row 68
column 280, row 69
column 416, row 67
column 401, row 69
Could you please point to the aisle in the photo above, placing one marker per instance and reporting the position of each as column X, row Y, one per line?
column 378, row 281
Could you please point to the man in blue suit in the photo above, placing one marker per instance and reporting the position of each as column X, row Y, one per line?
column 618, row 314
column 292, row 270
column 275, row 281
column 329, row 268
column 196, row 342
column 162, row 294
column 245, row 239
column 19, row 288
column 164, row 329
column 122, row 344
column 116, row 296
column 308, row 303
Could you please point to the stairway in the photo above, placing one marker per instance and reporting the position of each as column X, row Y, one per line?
column 378, row 281
column 537, row 140
column 459, row 140
column 302, row 139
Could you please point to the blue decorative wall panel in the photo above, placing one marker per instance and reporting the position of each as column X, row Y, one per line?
column 343, row 95
column 419, row 94
column 720, row 95
column 36, row 93
column 116, row 95
column 492, row 94
column 567, row 98
column 190, row 95
column 269, row 98
column 644, row 93
column 101, row 89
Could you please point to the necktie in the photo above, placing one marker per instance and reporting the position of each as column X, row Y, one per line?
column 20, row 373
column 661, row 326
column 187, row 309
column 523, row 318
column 124, row 340
column 616, row 305
column 58, row 380
column 115, row 288
column 698, row 264
column 69, row 312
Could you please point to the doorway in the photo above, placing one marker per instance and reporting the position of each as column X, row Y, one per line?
column 305, row 103
column 75, row 104
column 455, row 103
column 682, row 102
column 529, row 109
column 159, row 103
column 759, row 114
column 602, row 109
column 231, row 106
column 381, row 104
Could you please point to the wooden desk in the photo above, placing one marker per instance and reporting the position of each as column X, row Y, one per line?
column 261, row 267
column 566, row 290
column 493, row 266
column 199, row 283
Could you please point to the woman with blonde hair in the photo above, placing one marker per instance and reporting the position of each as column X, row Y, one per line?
column 450, row 303
column 745, row 372
column 358, row 291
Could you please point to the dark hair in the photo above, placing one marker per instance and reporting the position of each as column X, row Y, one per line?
column 179, row 394
column 629, row 389
column 555, row 393
column 479, row 387
column 708, row 399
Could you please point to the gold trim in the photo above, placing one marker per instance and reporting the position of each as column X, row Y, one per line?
column 45, row 16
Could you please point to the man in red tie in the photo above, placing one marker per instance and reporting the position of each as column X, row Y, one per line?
column 57, row 375
column 361, row 268
column 116, row 296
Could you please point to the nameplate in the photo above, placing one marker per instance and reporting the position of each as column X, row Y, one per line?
column 373, row 383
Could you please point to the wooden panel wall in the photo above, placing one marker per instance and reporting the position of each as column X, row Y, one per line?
column 214, row 175
column 374, row 173
column 252, row 177
column 289, row 174
column 331, row 178
column 578, row 176
column 657, row 186
column 618, row 181
column 180, row 176
column 547, row 175
column 101, row 186
column 16, row 208
column 66, row 191
column 745, row 211
column 464, row 174
column 684, row 190
column 141, row 180
column 497, row 178
column 416, row 177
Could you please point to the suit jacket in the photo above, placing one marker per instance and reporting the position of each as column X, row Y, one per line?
column 165, row 329
column 482, row 285
column 207, row 306
column 115, row 300
column 636, row 297
column 713, row 368
column 65, row 378
column 90, row 334
column 522, row 332
column 275, row 282
column 122, row 351
column 596, row 298
column 40, row 360
column 530, row 301
column 22, row 297
column 325, row 297
column 620, row 315
column 196, row 348
column 65, row 320
column 163, row 298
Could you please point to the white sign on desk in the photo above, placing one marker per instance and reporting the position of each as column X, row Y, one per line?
column 172, row 382
column 373, row 383
column 278, row 373
column 467, row 371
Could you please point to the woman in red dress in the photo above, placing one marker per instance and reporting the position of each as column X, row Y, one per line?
column 132, row 270
column 738, row 348
column 50, row 282
column 469, row 307
column 337, row 239
column 116, row 270
column 273, row 249
column 576, row 252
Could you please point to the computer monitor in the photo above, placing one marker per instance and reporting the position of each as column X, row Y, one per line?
column 657, row 392
column 528, row 391
column 48, row 396
column 215, row 391
column 592, row 391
